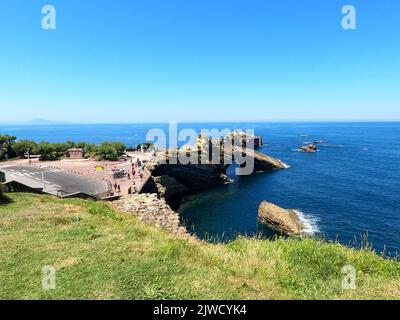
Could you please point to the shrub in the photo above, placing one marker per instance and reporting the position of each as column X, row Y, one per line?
column 46, row 151
column 110, row 150
column 22, row 146
column 6, row 147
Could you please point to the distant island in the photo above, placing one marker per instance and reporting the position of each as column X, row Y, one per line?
column 43, row 122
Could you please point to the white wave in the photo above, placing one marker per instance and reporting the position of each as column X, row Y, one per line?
column 229, row 181
column 309, row 223
column 285, row 165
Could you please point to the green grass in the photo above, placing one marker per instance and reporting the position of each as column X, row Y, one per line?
column 102, row 254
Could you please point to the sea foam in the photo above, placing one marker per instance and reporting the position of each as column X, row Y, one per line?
column 309, row 223
column 286, row 166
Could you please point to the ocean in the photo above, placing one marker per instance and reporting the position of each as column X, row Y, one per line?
column 346, row 191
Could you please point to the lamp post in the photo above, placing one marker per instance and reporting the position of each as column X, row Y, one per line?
column 43, row 181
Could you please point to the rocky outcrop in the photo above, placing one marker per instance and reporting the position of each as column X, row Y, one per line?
column 149, row 208
column 283, row 220
column 262, row 162
column 169, row 188
column 194, row 177
column 309, row 148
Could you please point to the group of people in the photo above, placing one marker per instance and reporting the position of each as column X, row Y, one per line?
column 137, row 170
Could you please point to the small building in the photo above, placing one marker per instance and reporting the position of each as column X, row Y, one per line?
column 75, row 153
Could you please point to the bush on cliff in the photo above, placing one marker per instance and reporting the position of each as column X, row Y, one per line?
column 102, row 254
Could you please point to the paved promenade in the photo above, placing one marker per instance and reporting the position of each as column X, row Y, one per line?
column 87, row 176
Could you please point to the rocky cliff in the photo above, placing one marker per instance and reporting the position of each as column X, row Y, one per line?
column 149, row 208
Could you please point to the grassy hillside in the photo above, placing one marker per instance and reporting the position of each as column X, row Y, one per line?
column 101, row 254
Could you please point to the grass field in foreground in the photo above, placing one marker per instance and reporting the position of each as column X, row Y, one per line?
column 102, row 254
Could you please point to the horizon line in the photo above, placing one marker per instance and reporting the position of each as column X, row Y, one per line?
column 59, row 123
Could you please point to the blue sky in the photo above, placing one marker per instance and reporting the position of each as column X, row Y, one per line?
column 199, row 60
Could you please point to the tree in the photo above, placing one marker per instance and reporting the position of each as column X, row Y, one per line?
column 46, row 151
column 110, row 150
column 6, row 143
column 60, row 149
column 90, row 149
column 22, row 146
column 120, row 147
column 70, row 144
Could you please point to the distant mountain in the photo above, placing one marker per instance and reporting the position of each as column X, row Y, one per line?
column 43, row 122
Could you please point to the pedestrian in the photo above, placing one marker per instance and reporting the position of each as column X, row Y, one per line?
column 119, row 189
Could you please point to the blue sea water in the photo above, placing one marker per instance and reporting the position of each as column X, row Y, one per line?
column 349, row 188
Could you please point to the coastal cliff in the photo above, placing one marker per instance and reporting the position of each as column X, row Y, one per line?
column 149, row 208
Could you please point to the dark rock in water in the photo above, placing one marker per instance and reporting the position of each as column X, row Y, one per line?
column 283, row 220
column 309, row 148
column 168, row 187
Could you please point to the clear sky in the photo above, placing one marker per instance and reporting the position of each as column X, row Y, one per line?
column 199, row 60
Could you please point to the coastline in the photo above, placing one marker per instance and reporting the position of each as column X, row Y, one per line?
column 326, row 185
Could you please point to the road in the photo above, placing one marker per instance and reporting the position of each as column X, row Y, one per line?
column 55, row 180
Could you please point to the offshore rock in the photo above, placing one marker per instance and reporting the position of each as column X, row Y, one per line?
column 283, row 220
column 311, row 148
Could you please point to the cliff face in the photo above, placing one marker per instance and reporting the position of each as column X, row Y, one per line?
column 175, row 181
column 169, row 188
column 193, row 176
column 149, row 208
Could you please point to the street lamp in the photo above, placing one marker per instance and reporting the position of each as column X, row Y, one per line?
column 43, row 181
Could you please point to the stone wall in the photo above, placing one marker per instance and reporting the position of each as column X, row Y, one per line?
column 149, row 208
